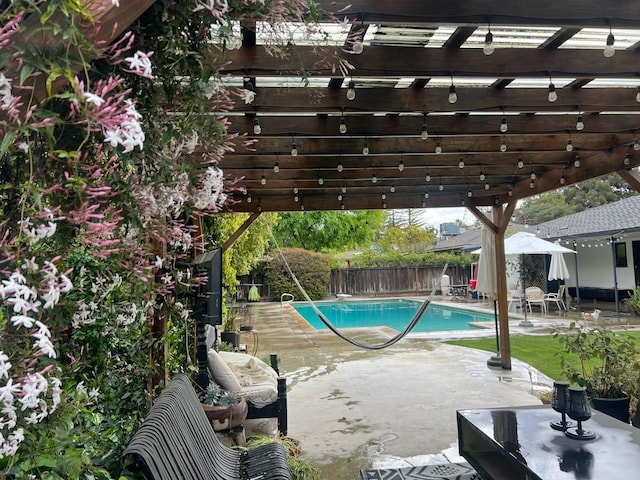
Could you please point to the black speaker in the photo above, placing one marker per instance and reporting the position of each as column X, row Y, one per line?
column 208, row 304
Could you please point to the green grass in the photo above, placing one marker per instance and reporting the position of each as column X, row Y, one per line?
column 539, row 351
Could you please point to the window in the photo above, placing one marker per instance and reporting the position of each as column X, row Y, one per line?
column 621, row 254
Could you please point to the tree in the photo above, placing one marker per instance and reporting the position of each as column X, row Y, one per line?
column 408, row 239
column 543, row 208
column 245, row 252
column 328, row 231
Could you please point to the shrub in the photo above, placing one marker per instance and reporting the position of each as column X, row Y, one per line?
column 311, row 269
column 632, row 304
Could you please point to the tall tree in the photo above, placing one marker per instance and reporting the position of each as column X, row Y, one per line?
column 408, row 238
column 326, row 231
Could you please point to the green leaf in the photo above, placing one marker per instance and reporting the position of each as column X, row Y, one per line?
column 26, row 71
column 48, row 461
column 7, row 141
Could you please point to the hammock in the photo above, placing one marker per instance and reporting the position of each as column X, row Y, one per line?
column 379, row 346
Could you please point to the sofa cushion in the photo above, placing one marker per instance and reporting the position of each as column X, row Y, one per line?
column 222, row 374
column 259, row 382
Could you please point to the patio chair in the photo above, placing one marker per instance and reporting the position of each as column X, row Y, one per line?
column 535, row 296
column 557, row 297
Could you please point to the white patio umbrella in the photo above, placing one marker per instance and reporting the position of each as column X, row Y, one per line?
column 558, row 268
column 525, row 243
column 487, row 282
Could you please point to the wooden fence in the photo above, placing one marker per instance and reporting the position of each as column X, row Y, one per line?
column 372, row 281
column 387, row 281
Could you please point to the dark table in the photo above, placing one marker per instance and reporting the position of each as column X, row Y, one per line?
column 518, row 444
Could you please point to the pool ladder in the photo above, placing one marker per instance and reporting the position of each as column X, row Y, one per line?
column 286, row 297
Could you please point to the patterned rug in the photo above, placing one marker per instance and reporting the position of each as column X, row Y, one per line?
column 447, row 471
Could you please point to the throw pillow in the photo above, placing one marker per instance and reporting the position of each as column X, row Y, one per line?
column 221, row 372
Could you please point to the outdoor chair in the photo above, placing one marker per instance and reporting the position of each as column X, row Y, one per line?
column 535, row 296
column 557, row 297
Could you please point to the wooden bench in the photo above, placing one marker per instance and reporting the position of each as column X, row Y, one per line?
column 176, row 441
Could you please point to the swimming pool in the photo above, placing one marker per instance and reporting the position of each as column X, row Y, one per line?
column 394, row 314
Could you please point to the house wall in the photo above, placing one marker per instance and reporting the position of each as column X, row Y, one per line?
column 596, row 263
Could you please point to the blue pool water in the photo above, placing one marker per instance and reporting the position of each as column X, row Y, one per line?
column 395, row 314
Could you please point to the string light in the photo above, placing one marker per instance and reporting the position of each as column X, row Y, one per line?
column 340, row 167
column 294, row 147
column 552, row 95
column 426, row 194
column 344, row 189
column 343, row 125
column 627, row 159
column 295, row 189
column 488, row 48
column 249, row 198
column 576, row 162
column 296, row 198
column 365, row 148
column 351, row 91
column 486, row 186
column 263, row 180
column 562, row 179
column 438, row 147
column 520, row 162
column 510, row 191
column 320, row 181
column 401, row 165
column 503, row 145
column 482, row 177
column 374, row 179
column 428, row 177
column 579, row 122
column 609, row 49
column 453, row 96
column 461, row 163
column 469, row 193
column 339, row 197
column 423, row 132
column 532, row 184
column 393, row 188
column 569, row 146
column 257, row 129
column 503, row 124
column 276, row 166
column 441, row 186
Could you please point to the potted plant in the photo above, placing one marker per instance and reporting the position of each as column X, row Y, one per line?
column 605, row 363
column 230, row 333
column 225, row 410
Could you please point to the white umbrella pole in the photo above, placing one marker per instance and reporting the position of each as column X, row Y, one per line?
column 525, row 322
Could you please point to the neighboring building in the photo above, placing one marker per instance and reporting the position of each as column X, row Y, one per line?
column 603, row 237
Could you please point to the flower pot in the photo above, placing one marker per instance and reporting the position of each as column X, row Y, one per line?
column 225, row 418
column 231, row 337
column 614, row 407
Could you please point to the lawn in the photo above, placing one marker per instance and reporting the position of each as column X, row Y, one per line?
column 539, row 351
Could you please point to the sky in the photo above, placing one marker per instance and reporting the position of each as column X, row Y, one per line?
column 436, row 216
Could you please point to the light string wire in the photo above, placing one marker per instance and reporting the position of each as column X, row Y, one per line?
column 379, row 346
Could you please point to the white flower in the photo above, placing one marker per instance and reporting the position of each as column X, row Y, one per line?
column 5, row 365
column 248, row 96
column 115, row 3
column 140, row 64
column 97, row 100
column 22, row 321
column 23, row 146
column 158, row 262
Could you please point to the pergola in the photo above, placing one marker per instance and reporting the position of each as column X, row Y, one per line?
column 546, row 109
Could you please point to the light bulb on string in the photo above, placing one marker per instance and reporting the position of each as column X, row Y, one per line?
column 393, row 188
column 296, row 198
column 552, row 96
column 533, row 175
column 520, row 162
column 351, row 91
column 294, row 148
column 423, row 132
column 453, row 96
column 579, row 123
column 295, row 189
column 441, row 186
column 344, row 189
column 357, row 47
column 426, row 194
column 365, row 148
column 487, row 186
column 461, row 163
column 576, row 162
column 343, row 125
column 562, row 179
column 569, row 147
column 257, row 129
column 510, row 191
column 249, row 198
column 339, row 197
column 438, row 147
column 374, row 179
column 609, row 49
column 320, row 181
column 503, row 145
column 469, row 193
column 428, row 177
column 488, row 48
column 627, row 159
column 503, row 125
column 532, row 184
column 263, row 180
column 482, row 176
column 401, row 165
column 276, row 166
column 383, row 196
column 340, row 167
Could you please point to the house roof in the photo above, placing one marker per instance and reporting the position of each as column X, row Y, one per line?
column 469, row 240
column 608, row 220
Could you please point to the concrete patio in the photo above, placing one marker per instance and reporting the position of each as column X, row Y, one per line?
column 353, row 408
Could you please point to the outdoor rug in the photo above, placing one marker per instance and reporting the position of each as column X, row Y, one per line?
column 447, row 471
